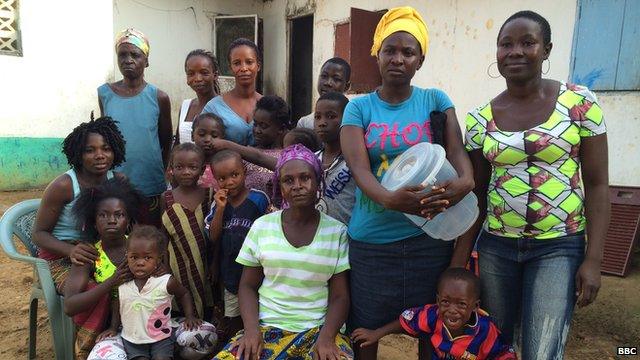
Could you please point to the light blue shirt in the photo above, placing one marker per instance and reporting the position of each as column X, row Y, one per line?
column 137, row 118
column 236, row 128
column 390, row 129
column 67, row 227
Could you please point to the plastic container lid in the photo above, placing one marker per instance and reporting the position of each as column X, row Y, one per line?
column 426, row 164
column 417, row 165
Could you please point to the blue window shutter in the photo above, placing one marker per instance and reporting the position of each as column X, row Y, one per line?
column 597, row 43
column 628, row 73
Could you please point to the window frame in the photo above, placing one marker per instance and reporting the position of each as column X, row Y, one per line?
column 215, row 38
column 601, row 70
column 19, row 51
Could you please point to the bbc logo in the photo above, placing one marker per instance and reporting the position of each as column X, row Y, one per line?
column 627, row 350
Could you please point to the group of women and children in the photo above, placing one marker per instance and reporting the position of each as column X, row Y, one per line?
column 283, row 237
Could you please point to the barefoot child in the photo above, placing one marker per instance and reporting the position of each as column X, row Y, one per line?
column 183, row 223
column 457, row 327
column 105, row 212
column 294, row 295
column 143, row 306
column 235, row 209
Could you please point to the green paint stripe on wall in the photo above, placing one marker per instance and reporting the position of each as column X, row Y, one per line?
column 27, row 163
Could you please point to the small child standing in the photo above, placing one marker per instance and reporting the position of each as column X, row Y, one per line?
column 205, row 128
column 457, row 327
column 184, row 208
column 105, row 211
column 143, row 306
column 235, row 209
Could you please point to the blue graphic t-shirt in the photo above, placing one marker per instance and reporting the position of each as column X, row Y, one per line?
column 390, row 129
column 236, row 223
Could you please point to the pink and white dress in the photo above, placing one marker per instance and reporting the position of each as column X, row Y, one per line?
column 146, row 314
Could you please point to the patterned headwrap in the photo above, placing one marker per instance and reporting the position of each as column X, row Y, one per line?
column 397, row 19
column 135, row 38
column 296, row 152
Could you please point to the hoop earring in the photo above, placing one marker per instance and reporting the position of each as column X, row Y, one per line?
column 548, row 66
column 489, row 70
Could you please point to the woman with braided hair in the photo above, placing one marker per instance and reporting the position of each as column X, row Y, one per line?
column 92, row 149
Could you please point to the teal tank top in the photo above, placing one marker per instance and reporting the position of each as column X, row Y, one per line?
column 67, row 227
column 137, row 118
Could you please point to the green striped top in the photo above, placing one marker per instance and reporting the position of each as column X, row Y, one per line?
column 295, row 291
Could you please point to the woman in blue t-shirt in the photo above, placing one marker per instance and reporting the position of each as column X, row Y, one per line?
column 236, row 107
column 394, row 264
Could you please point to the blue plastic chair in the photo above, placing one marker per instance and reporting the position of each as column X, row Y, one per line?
column 18, row 220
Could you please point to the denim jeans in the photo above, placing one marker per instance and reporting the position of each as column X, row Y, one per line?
column 388, row 278
column 530, row 284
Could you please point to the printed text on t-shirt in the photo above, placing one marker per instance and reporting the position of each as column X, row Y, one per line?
column 378, row 133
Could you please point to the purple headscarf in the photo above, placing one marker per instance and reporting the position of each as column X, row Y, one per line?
column 296, row 152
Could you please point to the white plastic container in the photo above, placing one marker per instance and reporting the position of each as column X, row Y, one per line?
column 426, row 164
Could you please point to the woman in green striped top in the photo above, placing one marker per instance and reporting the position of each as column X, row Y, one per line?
column 294, row 291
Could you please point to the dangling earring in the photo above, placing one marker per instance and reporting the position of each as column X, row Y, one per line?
column 489, row 70
column 548, row 66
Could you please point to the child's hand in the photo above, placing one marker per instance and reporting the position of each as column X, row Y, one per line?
column 161, row 270
column 364, row 336
column 191, row 323
column 83, row 254
column 106, row 334
column 219, row 144
column 123, row 274
column 221, row 198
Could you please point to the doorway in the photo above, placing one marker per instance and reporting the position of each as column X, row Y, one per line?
column 300, row 66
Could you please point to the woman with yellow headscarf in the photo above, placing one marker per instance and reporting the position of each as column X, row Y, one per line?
column 143, row 114
column 394, row 264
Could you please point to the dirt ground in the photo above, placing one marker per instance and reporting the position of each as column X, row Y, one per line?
column 613, row 320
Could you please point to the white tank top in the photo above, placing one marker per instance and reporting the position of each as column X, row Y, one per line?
column 145, row 314
column 184, row 127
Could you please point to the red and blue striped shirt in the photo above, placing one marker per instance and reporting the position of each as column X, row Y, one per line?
column 481, row 338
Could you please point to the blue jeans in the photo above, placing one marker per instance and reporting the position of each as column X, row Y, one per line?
column 530, row 284
column 388, row 278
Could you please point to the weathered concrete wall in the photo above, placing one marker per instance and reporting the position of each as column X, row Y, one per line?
column 174, row 28
column 462, row 46
column 622, row 115
column 52, row 87
column 462, row 40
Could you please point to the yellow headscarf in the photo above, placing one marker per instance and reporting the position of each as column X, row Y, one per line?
column 397, row 19
column 135, row 38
